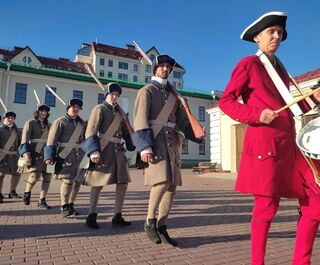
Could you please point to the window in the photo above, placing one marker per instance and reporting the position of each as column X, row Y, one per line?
column 177, row 74
column 110, row 74
column 20, row 95
column 179, row 85
column 78, row 94
column 101, row 73
column 135, row 67
column 26, row 59
column 101, row 61
column 174, row 84
column 50, row 99
column 100, row 98
column 185, row 146
column 147, row 79
column 148, row 68
column 123, row 77
column 135, row 78
column 202, row 112
column 110, row 63
column 202, row 148
column 123, row 65
column 152, row 57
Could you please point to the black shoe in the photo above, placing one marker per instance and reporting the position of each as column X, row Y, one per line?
column 65, row 211
column 26, row 198
column 151, row 229
column 43, row 204
column 165, row 238
column 91, row 221
column 119, row 221
column 1, row 198
column 13, row 195
column 72, row 210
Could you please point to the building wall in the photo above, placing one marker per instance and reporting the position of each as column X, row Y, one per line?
column 64, row 88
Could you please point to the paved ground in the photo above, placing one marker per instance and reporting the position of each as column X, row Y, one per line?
column 209, row 220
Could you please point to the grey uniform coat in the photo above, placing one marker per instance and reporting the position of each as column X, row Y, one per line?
column 9, row 164
column 166, row 167
column 60, row 134
column 31, row 134
column 112, row 167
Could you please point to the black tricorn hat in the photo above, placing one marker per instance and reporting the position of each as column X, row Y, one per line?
column 113, row 87
column 163, row 58
column 263, row 22
column 43, row 107
column 9, row 113
column 75, row 101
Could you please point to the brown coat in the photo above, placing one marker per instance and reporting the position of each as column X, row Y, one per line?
column 112, row 167
column 149, row 102
column 60, row 133
column 9, row 164
column 32, row 130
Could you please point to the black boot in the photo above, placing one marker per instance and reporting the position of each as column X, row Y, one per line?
column 43, row 204
column 119, row 221
column 151, row 229
column 1, row 198
column 65, row 211
column 165, row 238
column 91, row 221
column 26, row 198
column 72, row 210
column 13, row 195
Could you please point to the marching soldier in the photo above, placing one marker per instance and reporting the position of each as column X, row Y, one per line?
column 34, row 137
column 108, row 164
column 9, row 143
column 157, row 117
column 63, row 148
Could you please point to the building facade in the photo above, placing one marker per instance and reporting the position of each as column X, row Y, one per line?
column 22, row 72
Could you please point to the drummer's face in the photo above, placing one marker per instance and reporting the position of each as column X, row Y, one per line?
column 269, row 39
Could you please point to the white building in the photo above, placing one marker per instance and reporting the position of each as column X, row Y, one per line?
column 22, row 72
column 226, row 135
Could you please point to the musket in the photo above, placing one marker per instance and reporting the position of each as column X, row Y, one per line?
column 55, row 94
column 4, row 106
column 37, row 98
column 197, row 128
column 121, row 111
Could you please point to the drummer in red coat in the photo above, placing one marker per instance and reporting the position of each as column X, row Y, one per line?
column 270, row 152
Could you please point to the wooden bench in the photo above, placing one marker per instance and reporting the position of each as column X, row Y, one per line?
column 203, row 167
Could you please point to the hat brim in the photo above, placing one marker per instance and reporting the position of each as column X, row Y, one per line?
column 265, row 21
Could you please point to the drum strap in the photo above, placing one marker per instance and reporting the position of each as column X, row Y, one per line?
column 277, row 81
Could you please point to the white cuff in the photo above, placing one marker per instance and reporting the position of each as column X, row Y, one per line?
column 148, row 150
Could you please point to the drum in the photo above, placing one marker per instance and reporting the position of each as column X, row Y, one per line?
column 308, row 141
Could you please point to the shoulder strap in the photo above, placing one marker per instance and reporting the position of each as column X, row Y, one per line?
column 72, row 141
column 9, row 143
column 277, row 81
column 44, row 136
column 107, row 137
column 164, row 114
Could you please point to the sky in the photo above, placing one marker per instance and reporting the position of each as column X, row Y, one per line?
column 203, row 35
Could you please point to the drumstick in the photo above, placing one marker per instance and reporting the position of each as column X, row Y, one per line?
column 298, row 99
column 55, row 94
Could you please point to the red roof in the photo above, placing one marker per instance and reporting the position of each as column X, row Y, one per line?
column 308, row 76
column 129, row 53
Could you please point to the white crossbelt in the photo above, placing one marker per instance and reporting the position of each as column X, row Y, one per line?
column 277, row 81
column 39, row 140
column 78, row 146
column 162, row 123
column 8, row 152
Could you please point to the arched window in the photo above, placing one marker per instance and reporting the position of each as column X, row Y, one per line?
column 152, row 57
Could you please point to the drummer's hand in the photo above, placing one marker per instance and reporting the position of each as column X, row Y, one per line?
column 49, row 162
column 317, row 95
column 267, row 116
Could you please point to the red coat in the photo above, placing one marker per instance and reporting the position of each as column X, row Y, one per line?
column 270, row 151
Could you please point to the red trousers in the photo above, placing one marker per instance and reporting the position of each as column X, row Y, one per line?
column 308, row 223
column 265, row 208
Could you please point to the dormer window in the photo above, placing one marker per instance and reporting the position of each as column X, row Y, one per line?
column 26, row 59
column 152, row 57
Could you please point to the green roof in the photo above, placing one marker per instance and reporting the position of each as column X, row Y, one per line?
column 88, row 78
